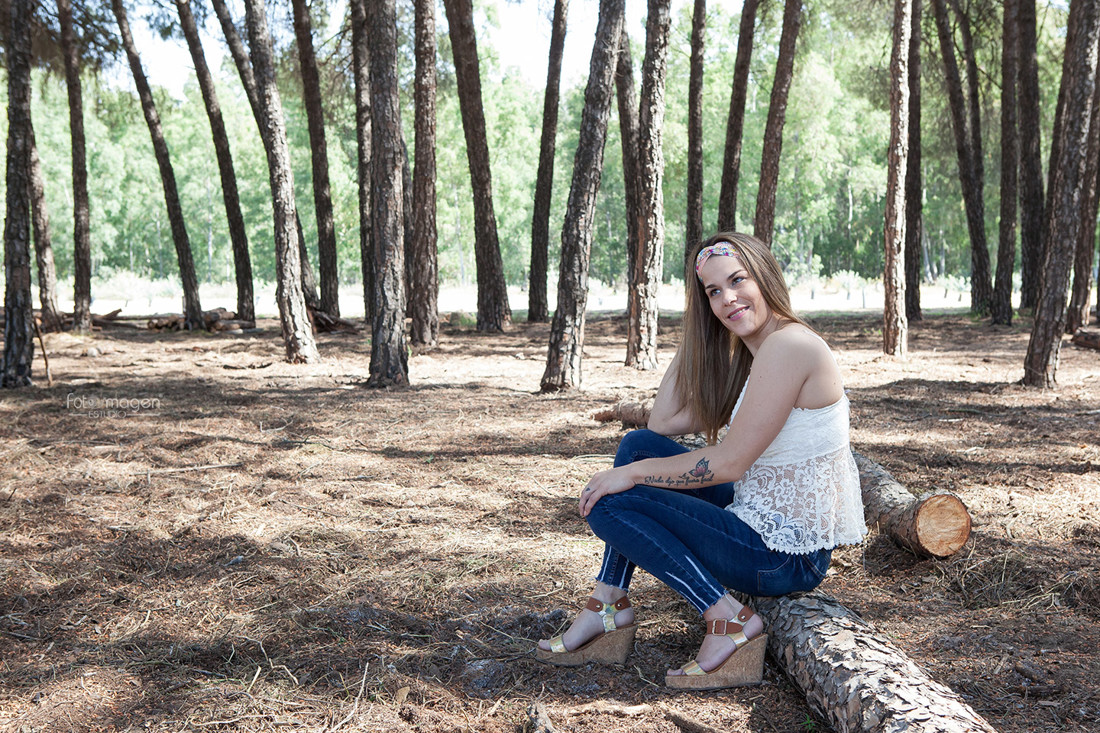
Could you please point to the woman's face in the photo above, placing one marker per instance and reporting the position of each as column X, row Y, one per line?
column 735, row 298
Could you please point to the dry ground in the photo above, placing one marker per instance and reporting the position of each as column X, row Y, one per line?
column 261, row 546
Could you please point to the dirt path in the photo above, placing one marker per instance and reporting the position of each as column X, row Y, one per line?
column 240, row 544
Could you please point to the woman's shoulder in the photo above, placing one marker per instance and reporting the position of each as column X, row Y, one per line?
column 795, row 339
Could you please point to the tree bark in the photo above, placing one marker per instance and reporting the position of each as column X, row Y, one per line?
column 645, row 278
column 895, row 328
column 764, row 221
column 1064, row 219
column 538, row 308
column 43, row 247
column 1032, row 203
column 388, row 356
column 1077, row 312
column 980, row 289
column 563, row 360
column 935, row 525
column 694, row 229
column 192, row 309
column 735, row 126
column 318, row 147
column 242, row 263
column 18, row 308
column 1001, row 307
column 853, row 676
column 424, row 270
column 361, row 68
column 294, row 319
column 628, row 134
column 82, row 237
column 493, row 313
column 914, row 179
column 1086, row 339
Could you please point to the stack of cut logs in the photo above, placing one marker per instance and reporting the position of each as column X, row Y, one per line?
column 218, row 319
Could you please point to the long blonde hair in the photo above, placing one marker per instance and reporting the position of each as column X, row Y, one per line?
column 714, row 363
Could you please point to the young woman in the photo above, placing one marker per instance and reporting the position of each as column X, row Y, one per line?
column 759, row 512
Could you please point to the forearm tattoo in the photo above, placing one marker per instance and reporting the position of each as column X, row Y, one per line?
column 697, row 476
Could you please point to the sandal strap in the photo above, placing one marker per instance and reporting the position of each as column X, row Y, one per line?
column 607, row 611
column 734, row 629
column 693, row 669
column 557, row 645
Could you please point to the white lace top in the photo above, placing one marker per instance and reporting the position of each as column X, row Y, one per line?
column 803, row 493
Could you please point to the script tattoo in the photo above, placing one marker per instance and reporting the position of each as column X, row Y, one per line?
column 697, row 476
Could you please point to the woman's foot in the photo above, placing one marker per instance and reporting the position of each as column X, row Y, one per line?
column 589, row 624
column 718, row 647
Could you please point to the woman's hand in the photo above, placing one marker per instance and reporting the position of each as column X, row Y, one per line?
column 611, row 481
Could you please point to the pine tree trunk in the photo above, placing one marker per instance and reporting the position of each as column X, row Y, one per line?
column 914, row 178
column 423, row 307
column 735, row 126
column 309, row 282
column 895, row 329
column 297, row 332
column 361, row 67
column 1064, row 221
column 1032, row 203
column 388, row 355
column 645, row 278
column 18, row 308
column 970, row 183
column 538, row 307
column 407, row 214
column 43, row 247
column 192, row 309
column 694, row 229
column 1001, row 308
column 764, row 221
column 563, row 360
column 318, row 146
column 242, row 263
column 493, row 313
column 628, row 135
column 1077, row 312
column 82, row 236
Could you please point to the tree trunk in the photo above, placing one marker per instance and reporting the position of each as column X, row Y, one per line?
column 1001, row 307
column 293, row 317
column 82, row 237
column 1064, row 220
column 538, row 308
column 853, row 676
column 309, row 282
column 563, row 360
column 936, row 525
column 1032, row 204
column 424, row 271
column 764, row 222
column 1077, row 313
column 645, row 278
column 318, row 147
column 735, row 126
column 361, row 67
column 43, row 248
column 694, row 228
column 18, row 308
column 628, row 134
column 895, row 328
column 914, row 179
column 192, row 309
column 242, row 262
column 388, row 355
column 493, row 313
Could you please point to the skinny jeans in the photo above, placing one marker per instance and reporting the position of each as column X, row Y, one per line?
column 688, row 540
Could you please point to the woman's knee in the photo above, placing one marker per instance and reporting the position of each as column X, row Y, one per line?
column 643, row 443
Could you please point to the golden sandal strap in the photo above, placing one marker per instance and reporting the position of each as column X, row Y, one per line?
column 607, row 611
column 693, row 669
column 557, row 645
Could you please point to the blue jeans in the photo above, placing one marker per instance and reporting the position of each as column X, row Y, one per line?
column 688, row 540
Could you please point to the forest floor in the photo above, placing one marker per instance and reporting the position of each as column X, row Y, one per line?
column 237, row 543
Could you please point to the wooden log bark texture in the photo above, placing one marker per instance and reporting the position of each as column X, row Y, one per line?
column 935, row 525
column 1086, row 338
column 853, row 676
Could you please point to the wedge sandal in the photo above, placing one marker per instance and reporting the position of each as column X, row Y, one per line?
column 744, row 666
column 612, row 646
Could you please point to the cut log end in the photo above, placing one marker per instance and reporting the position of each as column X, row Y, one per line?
column 942, row 524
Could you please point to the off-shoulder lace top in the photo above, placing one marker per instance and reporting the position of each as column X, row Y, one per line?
column 803, row 493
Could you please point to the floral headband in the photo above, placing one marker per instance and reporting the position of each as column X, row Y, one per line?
column 723, row 249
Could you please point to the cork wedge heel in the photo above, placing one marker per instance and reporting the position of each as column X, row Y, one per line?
column 612, row 646
column 745, row 666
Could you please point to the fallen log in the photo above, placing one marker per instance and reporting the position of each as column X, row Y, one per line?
column 935, row 525
column 1087, row 339
column 853, row 676
column 632, row 414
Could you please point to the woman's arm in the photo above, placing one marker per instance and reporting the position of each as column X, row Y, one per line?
column 670, row 415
